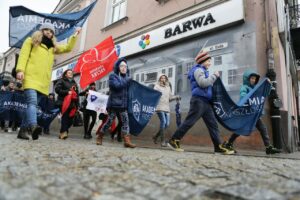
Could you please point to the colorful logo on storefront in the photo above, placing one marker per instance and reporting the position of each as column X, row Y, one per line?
column 145, row 41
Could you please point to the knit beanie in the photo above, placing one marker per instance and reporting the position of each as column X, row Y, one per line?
column 202, row 57
column 48, row 26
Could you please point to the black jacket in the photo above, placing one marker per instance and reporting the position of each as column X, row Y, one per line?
column 62, row 88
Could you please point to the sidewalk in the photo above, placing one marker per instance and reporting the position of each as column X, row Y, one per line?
column 148, row 144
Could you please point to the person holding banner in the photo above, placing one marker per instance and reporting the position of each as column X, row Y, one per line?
column 88, row 127
column 118, row 101
column 200, row 105
column 163, row 107
column 34, row 69
column 64, row 87
column 250, row 79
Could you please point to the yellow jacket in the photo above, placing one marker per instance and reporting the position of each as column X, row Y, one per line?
column 36, row 63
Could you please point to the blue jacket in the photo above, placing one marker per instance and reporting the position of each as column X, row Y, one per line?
column 246, row 87
column 203, row 92
column 118, row 88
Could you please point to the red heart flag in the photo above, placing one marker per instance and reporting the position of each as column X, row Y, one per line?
column 97, row 62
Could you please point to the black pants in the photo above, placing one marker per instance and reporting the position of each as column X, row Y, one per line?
column 66, row 121
column 262, row 130
column 200, row 108
column 86, row 120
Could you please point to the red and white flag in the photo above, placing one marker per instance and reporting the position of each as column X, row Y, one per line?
column 96, row 62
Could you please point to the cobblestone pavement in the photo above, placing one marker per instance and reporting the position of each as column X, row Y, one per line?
column 50, row 168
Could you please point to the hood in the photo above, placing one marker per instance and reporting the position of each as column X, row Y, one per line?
column 247, row 75
column 160, row 75
column 117, row 64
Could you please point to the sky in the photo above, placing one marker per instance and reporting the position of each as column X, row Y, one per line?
column 44, row 6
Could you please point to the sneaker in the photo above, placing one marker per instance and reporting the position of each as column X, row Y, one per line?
column 223, row 150
column 229, row 146
column 175, row 145
column 9, row 130
column 35, row 132
column 272, row 150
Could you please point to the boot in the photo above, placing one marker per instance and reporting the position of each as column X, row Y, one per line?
column 272, row 150
column 35, row 131
column 23, row 134
column 155, row 137
column 119, row 137
column 63, row 135
column 162, row 138
column 99, row 138
column 127, row 142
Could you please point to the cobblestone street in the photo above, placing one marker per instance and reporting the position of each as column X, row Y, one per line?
column 78, row 169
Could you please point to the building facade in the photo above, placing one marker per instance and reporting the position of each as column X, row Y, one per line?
column 164, row 36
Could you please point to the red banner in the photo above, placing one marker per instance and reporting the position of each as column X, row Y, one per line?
column 96, row 62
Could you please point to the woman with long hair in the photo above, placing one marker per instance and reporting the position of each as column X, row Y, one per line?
column 34, row 69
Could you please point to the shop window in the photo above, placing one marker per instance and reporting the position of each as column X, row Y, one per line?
column 151, row 77
column 99, row 85
column 220, row 72
column 232, row 76
column 118, row 10
column 137, row 77
column 218, row 60
column 170, row 72
column 179, row 69
column 142, row 77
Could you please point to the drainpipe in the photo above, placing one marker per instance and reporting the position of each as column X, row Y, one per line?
column 274, row 100
column 289, row 79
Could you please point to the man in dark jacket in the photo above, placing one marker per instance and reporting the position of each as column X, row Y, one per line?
column 88, row 113
column 118, row 101
column 63, row 88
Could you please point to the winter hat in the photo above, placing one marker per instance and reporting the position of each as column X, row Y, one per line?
column 48, row 26
column 202, row 57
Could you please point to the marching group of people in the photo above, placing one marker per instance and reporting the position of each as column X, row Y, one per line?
column 34, row 69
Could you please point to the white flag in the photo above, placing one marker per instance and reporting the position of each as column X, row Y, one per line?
column 96, row 101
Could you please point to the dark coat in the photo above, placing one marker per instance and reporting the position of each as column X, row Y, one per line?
column 62, row 88
column 85, row 94
column 118, row 88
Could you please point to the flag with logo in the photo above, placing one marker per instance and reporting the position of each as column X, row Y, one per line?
column 13, row 107
column 23, row 22
column 240, row 118
column 142, row 103
column 96, row 101
column 96, row 62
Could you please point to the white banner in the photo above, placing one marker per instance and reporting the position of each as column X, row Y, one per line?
column 96, row 101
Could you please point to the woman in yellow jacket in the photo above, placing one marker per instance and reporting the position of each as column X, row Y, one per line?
column 34, row 69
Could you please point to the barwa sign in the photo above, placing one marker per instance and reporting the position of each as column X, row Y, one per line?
column 218, row 16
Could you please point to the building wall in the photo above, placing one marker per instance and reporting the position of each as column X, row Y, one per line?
column 247, row 45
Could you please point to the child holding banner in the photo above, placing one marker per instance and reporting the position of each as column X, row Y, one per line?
column 201, row 85
column 34, row 69
column 118, row 101
column 163, row 107
column 250, row 79
column 88, row 127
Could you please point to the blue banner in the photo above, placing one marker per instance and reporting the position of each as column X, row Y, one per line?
column 142, row 103
column 13, row 106
column 23, row 22
column 241, row 117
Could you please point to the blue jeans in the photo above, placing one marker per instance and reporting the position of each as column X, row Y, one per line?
column 32, row 98
column 164, row 118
